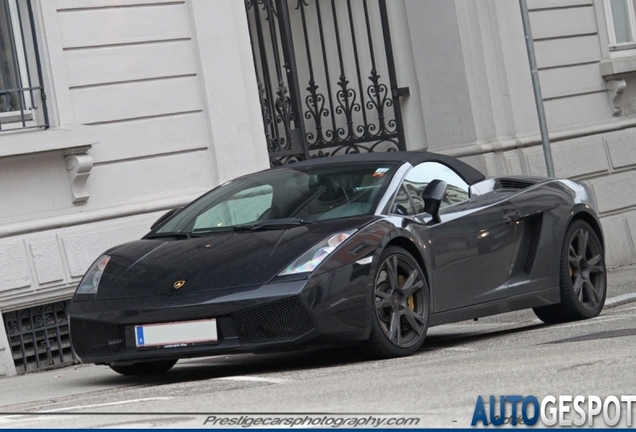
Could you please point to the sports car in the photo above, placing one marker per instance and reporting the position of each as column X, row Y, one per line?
column 364, row 249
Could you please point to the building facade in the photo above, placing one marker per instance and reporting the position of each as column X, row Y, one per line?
column 114, row 111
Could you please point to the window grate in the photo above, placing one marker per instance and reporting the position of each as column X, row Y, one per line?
column 39, row 337
column 22, row 96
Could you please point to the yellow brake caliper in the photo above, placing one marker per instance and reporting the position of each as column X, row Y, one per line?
column 410, row 302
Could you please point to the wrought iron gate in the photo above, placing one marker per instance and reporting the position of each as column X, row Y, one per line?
column 326, row 77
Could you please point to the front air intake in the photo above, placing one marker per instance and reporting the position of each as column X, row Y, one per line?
column 93, row 338
column 282, row 319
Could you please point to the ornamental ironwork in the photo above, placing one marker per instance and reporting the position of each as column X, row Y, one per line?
column 326, row 77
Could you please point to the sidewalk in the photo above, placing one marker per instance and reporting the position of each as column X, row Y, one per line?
column 621, row 286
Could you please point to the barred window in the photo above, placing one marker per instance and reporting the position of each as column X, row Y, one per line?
column 22, row 96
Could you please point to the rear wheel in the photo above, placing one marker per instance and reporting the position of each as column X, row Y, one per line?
column 583, row 277
column 144, row 368
column 399, row 320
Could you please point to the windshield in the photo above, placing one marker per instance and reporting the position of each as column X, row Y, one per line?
column 289, row 196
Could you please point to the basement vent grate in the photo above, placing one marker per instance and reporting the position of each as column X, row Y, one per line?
column 39, row 337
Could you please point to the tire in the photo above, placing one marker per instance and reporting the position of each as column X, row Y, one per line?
column 401, row 300
column 144, row 368
column 583, row 277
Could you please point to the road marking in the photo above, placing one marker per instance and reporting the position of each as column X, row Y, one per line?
column 14, row 420
column 256, row 379
column 591, row 321
column 460, row 349
column 106, row 404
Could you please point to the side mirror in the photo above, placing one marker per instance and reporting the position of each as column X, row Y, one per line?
column 432, row 196
column 164, row 217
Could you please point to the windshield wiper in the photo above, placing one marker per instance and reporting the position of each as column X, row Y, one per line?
column 272, row 224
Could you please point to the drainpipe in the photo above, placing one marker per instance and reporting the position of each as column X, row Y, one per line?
column 536, row 86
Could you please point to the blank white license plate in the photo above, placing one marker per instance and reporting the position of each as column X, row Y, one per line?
column 176, row 334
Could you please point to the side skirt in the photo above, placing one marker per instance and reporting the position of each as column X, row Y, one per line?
column 525, row 301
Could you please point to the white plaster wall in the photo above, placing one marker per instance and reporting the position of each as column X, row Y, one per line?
column 46, row 266
column 406, row 75
column 126, row 72
column 6, row 359
column 472, row 67
column 228, row 85
column 168, row 93
column 441, row 72
column 161, row 95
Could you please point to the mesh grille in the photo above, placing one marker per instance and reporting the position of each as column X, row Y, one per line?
column 535, row 235
column 95, row 337
column 281, row 319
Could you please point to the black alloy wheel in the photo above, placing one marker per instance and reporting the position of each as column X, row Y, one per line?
column 583, row 277
column 144, row 368
column 401, row 306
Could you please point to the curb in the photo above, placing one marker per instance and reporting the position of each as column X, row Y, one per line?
column 620, row 300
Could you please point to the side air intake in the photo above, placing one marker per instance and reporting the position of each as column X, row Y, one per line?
column 535, row 236
column 511, row 183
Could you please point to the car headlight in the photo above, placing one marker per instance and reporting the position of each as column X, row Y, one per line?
column 317, row 254
column 90, row 282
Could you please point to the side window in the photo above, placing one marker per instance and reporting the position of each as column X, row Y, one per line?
column 403, row 205
column 244, row 207
column 421, row 175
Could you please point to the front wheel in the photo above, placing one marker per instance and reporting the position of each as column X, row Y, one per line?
column 144, row 368
column 583, row 277
column 401, row 305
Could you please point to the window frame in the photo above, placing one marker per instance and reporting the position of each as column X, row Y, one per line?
column 24, row 57
column 447, row 180
column 618, row 48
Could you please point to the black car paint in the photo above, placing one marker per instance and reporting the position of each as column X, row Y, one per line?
column 212, row 262
column 338, row 296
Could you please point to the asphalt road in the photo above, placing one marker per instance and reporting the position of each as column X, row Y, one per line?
column 511, row 354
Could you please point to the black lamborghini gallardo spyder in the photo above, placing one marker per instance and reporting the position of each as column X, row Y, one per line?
column 367, row 249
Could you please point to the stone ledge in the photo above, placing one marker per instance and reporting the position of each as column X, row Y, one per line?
column 615, row 68
column 72, row 140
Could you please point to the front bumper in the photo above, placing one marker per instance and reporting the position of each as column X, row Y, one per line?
column 332, row 307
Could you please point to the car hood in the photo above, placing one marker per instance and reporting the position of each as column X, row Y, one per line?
column 221, row 260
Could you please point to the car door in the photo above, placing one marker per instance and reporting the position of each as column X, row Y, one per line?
column 472, row 249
